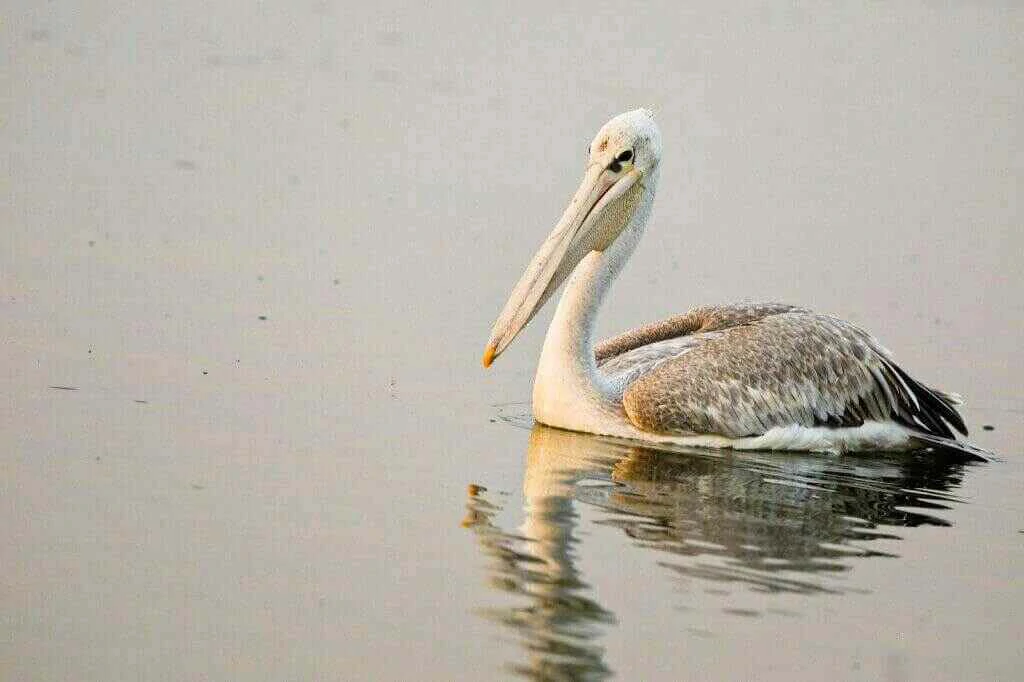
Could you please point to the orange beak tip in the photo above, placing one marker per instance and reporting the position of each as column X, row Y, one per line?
column 488, row 356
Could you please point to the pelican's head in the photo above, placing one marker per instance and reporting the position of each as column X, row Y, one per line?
column 626, row 150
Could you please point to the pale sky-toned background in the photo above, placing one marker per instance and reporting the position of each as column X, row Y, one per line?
column 371, row 179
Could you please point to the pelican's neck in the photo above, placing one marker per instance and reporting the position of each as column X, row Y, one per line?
column 568, row 390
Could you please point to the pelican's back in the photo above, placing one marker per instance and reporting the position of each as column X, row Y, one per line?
column 741, row 371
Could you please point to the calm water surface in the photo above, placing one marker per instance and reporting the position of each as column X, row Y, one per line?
column 249, row 256
column 728, row 536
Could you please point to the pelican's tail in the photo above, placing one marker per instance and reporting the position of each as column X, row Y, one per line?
column 954, row 449
column 948, row 396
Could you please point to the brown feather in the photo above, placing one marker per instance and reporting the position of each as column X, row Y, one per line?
column 752, row 367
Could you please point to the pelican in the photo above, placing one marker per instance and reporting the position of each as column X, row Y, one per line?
column 765, row 376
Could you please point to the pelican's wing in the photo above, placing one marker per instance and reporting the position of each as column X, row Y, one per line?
column 699, row 320
column 781, row 368
column 626, row 357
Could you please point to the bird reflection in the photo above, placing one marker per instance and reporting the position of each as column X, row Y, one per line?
column 773, row 523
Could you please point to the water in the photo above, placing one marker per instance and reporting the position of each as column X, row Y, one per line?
column 250, row 256
column 723, row 538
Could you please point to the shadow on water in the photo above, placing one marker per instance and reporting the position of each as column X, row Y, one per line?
column 768, row 522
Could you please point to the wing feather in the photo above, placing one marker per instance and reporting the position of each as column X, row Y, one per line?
column 772, row 366
column 698, row 320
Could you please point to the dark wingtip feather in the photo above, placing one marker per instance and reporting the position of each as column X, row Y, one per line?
column 954, row 449
column 935, row 406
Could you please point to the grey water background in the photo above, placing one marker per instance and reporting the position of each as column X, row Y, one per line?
column 249, row 256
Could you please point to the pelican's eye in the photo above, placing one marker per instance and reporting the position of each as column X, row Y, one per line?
column 616, row 165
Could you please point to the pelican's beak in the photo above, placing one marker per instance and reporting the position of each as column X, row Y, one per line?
column 582, row 229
